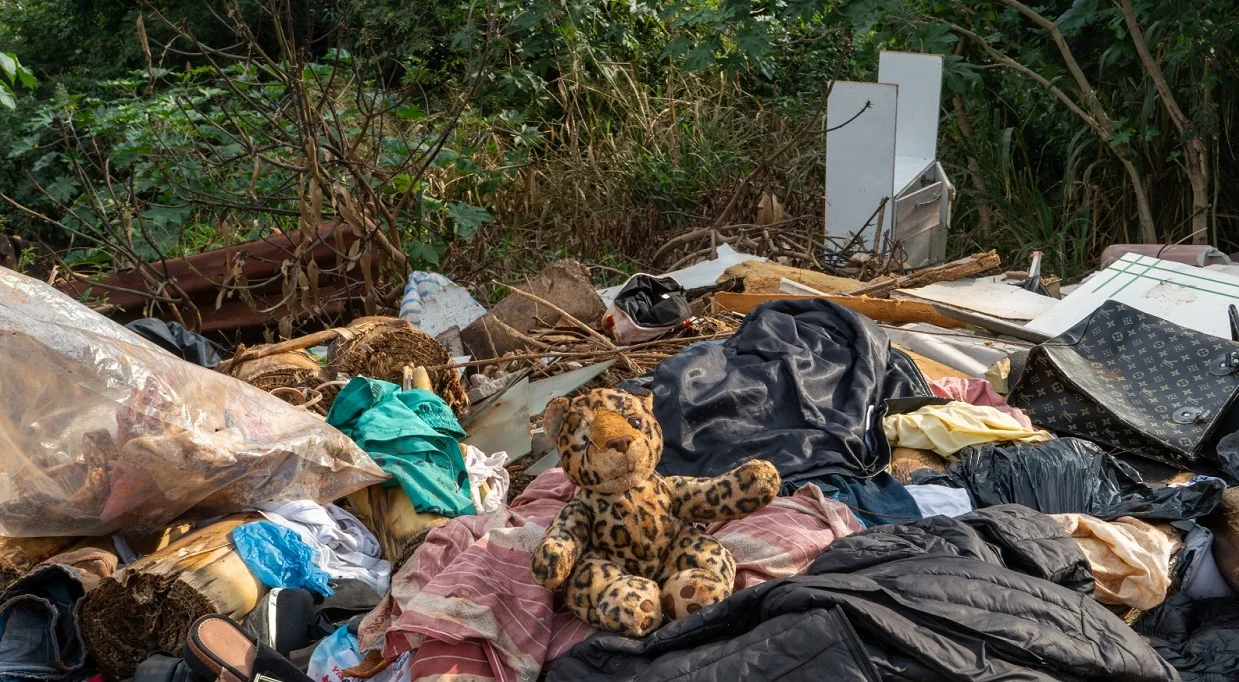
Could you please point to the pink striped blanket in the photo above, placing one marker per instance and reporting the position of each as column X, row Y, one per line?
column 467, row 603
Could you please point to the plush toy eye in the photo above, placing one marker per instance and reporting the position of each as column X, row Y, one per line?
column 634, row 423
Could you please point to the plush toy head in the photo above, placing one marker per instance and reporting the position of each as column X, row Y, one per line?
column 608, row 439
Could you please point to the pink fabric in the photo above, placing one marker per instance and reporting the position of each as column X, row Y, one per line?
column 977, row 392
column 466, row 600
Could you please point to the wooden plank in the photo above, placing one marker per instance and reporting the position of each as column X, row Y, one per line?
column 880, row 309
column 947, row 272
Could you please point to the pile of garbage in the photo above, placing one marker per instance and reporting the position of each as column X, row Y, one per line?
column 984, row 475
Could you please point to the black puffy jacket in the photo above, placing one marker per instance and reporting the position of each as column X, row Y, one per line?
column 998, row 594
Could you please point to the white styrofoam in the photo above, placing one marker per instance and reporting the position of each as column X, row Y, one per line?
column 1192, row 297
column 983, row 296
column 860, row 158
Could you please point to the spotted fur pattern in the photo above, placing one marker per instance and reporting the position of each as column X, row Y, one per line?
column 625, row 550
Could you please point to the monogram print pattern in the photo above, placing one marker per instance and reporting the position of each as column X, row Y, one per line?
column 1132, row 381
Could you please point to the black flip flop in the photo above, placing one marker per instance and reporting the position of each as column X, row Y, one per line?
column 219, row 649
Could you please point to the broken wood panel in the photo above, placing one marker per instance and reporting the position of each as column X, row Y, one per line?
column 880, row 309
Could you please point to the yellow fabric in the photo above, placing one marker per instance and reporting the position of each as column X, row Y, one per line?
column 1130, row 559
column 947, row 429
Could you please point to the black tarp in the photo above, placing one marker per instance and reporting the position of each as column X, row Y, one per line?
column 1069, row 476
column 996, row 594
column 177, row 340
column 801, row 384
column 654, row 302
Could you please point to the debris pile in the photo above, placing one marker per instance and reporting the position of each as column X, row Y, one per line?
column 406, row 498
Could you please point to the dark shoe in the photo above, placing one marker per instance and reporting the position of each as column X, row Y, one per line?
column 219, row 649
column 282, row 619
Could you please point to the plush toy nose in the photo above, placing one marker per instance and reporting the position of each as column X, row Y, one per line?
column 619, row 444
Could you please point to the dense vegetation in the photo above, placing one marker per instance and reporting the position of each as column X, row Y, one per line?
column 485, row 137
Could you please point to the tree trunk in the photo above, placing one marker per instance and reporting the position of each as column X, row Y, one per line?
column 150, row 604
column 1196, row 156
column 1148, row 229
column 985, row 213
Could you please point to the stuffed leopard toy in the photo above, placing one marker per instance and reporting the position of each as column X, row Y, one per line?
column 625, row 548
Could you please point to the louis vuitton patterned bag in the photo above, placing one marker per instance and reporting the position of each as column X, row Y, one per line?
column 1136, row 383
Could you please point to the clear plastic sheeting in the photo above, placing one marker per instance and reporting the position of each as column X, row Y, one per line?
column 101, row 431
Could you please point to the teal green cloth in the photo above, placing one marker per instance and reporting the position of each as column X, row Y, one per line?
column 413, row 436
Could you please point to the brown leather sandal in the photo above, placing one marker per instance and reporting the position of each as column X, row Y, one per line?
column 218, row 649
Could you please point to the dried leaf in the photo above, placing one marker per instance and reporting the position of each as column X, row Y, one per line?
column 286, row 327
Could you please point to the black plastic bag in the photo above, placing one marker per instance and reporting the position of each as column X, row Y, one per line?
column 654, row 301
column 802, row 384
column 1069, row 476
column 177, row 340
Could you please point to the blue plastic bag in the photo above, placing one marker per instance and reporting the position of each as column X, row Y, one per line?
column 278, row 557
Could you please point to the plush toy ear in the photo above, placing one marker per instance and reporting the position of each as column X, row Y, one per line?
column 553, row 419
column 644, row 394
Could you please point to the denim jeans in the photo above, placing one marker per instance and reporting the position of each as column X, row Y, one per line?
column 39, row 636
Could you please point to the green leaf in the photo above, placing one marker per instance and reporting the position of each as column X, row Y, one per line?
column 26, row 76
column 410, row 112
column 6, row 97
column 467, row 218
column 8, row 64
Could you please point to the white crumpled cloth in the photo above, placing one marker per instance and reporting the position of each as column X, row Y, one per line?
column 488, row 469
column 343, row 547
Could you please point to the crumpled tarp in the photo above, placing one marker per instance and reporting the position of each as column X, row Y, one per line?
column 1070, row 476
column 178, row 340
column 996, row 594
column 467, row 602
column 1129, row 558
column 801, row 385
column 413, row 436
column 947, row 429
column 278, row 557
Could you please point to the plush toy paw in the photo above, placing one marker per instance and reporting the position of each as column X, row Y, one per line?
column 552, row 563
column 630, row 607
column 758, row 483
column 689, row 591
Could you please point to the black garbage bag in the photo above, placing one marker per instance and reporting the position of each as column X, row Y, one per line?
column 654, row 301
column 1069, row 476
column 1200, row 638
column 802, row 384
column 177, row 340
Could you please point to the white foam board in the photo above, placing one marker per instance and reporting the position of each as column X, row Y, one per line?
column 860, row 158
column 1192, row 297
column 983, row 296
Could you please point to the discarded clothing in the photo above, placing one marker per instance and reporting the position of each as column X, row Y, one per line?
column 875, row 501
column 934, row 500
column 333, row 655
column 801, row 385
column 177, row 340
column 413, row 436
column 1069, row 476
column 278, row 557
column 1200, row 576
column 39, row 635
column 467, row 602
column 646, row 308
column 489, row 471
column 343, row 547
column 1135, row 382
column 434, row 303
column 977, row 392
column 947, row 429
column 1200, row 638
column 1129, row 558
column 994, row 594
